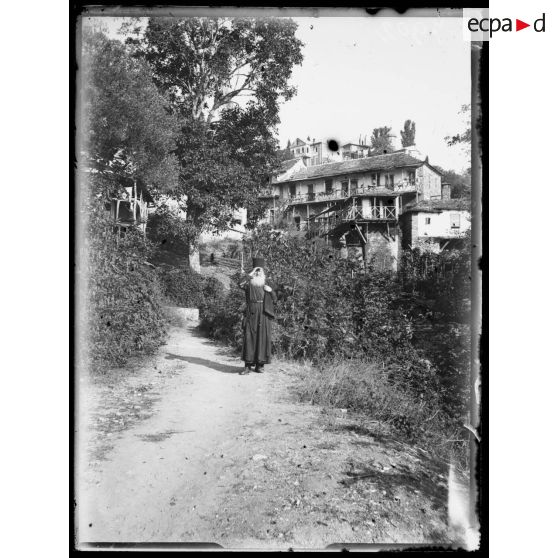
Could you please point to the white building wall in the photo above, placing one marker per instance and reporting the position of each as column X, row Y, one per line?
column 440, row 224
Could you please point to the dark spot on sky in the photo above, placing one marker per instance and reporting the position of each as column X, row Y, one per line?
column 332, row 145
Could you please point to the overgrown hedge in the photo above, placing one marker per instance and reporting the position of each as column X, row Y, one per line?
column 124, row 302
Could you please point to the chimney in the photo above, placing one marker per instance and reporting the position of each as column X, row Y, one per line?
column 446, row 191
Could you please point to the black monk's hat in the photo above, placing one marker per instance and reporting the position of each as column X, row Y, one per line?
column 258, row 262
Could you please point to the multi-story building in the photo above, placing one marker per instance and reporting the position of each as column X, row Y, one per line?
column 362, row 203
column 313, row 152
column 354, row 151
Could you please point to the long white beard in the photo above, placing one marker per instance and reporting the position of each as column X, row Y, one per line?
column 258, row 281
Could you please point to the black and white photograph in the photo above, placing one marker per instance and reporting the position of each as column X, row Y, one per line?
column 277, row 285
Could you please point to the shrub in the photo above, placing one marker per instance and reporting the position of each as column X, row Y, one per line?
column 169, row 231
column 181, row 286
column 221, row 313
column 124, row 313
column 187, row 288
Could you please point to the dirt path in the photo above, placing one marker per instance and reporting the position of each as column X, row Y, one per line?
column 186, row 450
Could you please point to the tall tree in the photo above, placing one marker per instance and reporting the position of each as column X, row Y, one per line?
column 127, row 131
column 380, row 140
column 408, row 134
column 225, row 79
column 460, row 183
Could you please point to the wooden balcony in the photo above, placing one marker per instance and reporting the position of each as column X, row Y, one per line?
column 375, row 213
column 341, row 218
column 341, row 194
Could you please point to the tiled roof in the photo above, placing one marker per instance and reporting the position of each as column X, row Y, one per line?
column 356, row 144
column 288, row 164
column 378, row 162
column 434, row 206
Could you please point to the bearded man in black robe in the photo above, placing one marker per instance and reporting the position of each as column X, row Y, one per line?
column 256, row 349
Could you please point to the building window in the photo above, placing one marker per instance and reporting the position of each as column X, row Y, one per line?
column 345, row 187
column 427, row 221
column 310, row 192
column 390, row 180
column 292, row 190
column 329, row 186
column 455, row 220
column 354, row 186
column 375, row 179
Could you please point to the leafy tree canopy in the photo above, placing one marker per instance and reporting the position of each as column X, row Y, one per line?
column 208, row 63
column 408, row 133
column 225, row 79
column 381, row 141
column 128, row 131
column 460, row 182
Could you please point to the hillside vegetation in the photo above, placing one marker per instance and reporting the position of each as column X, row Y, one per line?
column 393, row 346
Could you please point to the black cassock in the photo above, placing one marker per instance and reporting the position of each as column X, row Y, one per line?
column 256, row 326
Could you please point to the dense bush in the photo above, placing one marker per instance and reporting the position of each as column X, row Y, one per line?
column 440, row 285
column 168, row 230
column 184, row 287
column 221, row 314
column 124, row 312
column 181, row 286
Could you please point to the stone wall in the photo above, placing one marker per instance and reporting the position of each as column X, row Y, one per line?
column 409, row 229
column 432, row 183
column 383, row 250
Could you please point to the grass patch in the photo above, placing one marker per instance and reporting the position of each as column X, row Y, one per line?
column 367, row 391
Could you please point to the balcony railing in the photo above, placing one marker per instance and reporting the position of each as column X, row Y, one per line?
column 406, row 186
column 340, row 194
column 378, row 213
column 324, row 225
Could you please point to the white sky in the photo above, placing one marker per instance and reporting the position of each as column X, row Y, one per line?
column 360, row 73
